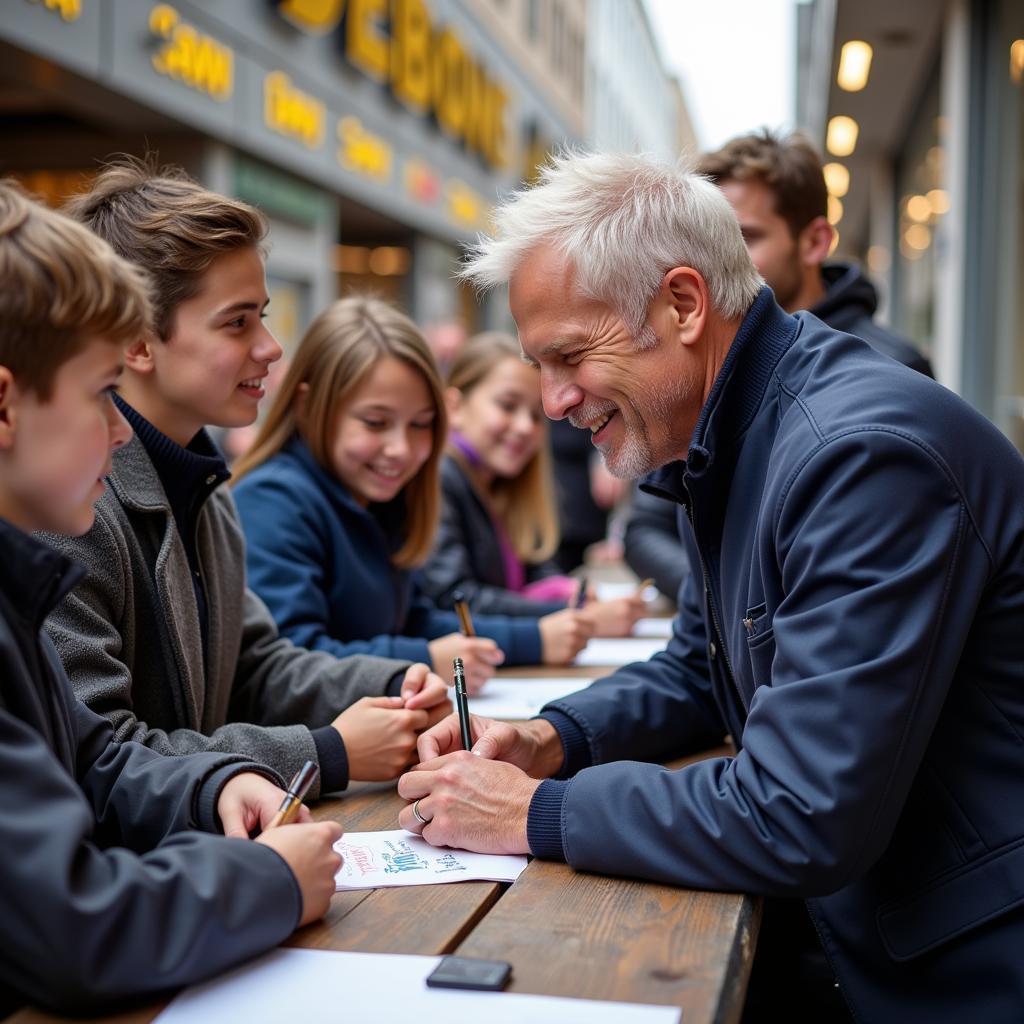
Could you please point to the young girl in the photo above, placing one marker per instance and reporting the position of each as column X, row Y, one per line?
column 339, row 500
column 499, row 526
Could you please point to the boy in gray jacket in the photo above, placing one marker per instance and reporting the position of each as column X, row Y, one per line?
column 106, row 892
column 163, row 637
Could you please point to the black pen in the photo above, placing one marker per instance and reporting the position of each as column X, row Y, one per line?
column 581, row 594
column 297, row 790
column 462, row 704
column 462, row 609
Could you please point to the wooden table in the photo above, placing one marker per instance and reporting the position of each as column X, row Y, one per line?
column 566, row 933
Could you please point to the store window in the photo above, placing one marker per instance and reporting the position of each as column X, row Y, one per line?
column 923, row 202
column 1009, row 284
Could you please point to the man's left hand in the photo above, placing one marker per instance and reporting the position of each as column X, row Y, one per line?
column 248, row 801
column 470, row 803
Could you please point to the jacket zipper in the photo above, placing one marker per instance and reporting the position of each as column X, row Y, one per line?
column 711, row 604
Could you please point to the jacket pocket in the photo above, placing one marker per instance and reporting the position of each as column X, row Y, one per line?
column 963, row 900
column 760, row 644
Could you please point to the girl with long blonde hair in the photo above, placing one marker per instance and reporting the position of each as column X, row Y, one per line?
column 339, row 498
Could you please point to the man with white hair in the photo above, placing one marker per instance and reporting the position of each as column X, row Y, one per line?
column 853, row 618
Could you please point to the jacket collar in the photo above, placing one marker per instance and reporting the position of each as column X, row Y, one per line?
column 35, row 577
column 387, row 517
column 763, row 338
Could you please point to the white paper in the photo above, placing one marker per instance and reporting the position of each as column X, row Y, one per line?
column 653, row 627
column 375, row 860
column 513, row 697
column 612, row 652
column 610, row 591
column 316, row 985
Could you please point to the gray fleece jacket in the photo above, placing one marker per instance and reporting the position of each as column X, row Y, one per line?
column 129, row 635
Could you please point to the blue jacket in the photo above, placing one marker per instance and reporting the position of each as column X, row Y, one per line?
column 855, row 620
column 322, row 564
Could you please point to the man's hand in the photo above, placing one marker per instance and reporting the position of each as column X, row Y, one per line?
column 248, row 801
column 533, row 747
column 422, row 690
column 470, row 803
column 309, row 851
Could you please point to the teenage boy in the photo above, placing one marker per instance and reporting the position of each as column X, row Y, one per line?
column 105, row 892
column 163, row 637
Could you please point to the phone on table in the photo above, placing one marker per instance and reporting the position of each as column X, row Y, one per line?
column 467, row 972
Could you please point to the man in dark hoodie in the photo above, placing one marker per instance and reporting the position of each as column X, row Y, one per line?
column 776, row 186
column 777, row 189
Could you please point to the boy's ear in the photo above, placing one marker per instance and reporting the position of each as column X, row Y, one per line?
column 138, row 356
column 8, row 413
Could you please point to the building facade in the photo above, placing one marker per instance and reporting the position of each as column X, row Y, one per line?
column 632, row 102
column 376, row 134
column 930, row 189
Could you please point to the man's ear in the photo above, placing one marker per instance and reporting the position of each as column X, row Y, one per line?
column 686, row 303
column 815, row 241
column 8, row 412
column 138, row 356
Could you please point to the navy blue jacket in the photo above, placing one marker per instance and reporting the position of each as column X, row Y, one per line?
column 106, row 891
column 855, row 620
column 322, row 564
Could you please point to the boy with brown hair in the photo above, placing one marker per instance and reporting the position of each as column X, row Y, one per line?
column 106, row 891
column 164, row 638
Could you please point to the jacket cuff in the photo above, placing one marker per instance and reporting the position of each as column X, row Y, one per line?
column 394, row 687
column 208, row 796
column 333, row 759
column 410, row 648
column 524, row 646
column 575, row 745
column 544, row 820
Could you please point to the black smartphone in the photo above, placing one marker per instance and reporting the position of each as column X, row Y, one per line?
column 465, row 972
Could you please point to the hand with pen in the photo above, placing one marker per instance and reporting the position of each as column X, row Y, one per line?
column 618, row 616
column 460, row 798
column 249, row 802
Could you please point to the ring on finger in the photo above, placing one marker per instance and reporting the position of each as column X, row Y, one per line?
column 416, row 813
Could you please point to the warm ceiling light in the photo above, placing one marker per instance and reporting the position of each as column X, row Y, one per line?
column 1017, row 60
column 835, row 210
column 854, row 65
column 879, row 259
column 938, row 199
column 837, row 179
column 918, row 237
column 834, row 244
column 841, row 138
column 919, row 209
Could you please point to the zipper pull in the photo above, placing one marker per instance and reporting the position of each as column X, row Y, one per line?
column 749, row 626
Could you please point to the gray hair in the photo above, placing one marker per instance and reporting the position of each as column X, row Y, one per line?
column 622, row 221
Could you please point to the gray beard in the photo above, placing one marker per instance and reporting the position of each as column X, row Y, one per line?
column 638, row 455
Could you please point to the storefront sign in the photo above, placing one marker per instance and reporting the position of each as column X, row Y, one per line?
column 190, row 56
column 427, row 67
column 291, row 112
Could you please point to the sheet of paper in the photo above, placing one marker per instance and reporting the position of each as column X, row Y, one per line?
column 375, row 860
column 653, row 628
column 512, row 697
column 610, row 591
column 612, row 652
column 319, row 986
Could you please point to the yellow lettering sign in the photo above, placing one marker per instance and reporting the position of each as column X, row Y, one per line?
column 292, row 112
column 465, row 206
column 317, row 17
column 363, row 152
column 365, row 44
column 427, row 68
column 69, row 10
column 191, row 57
column 410, row 54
